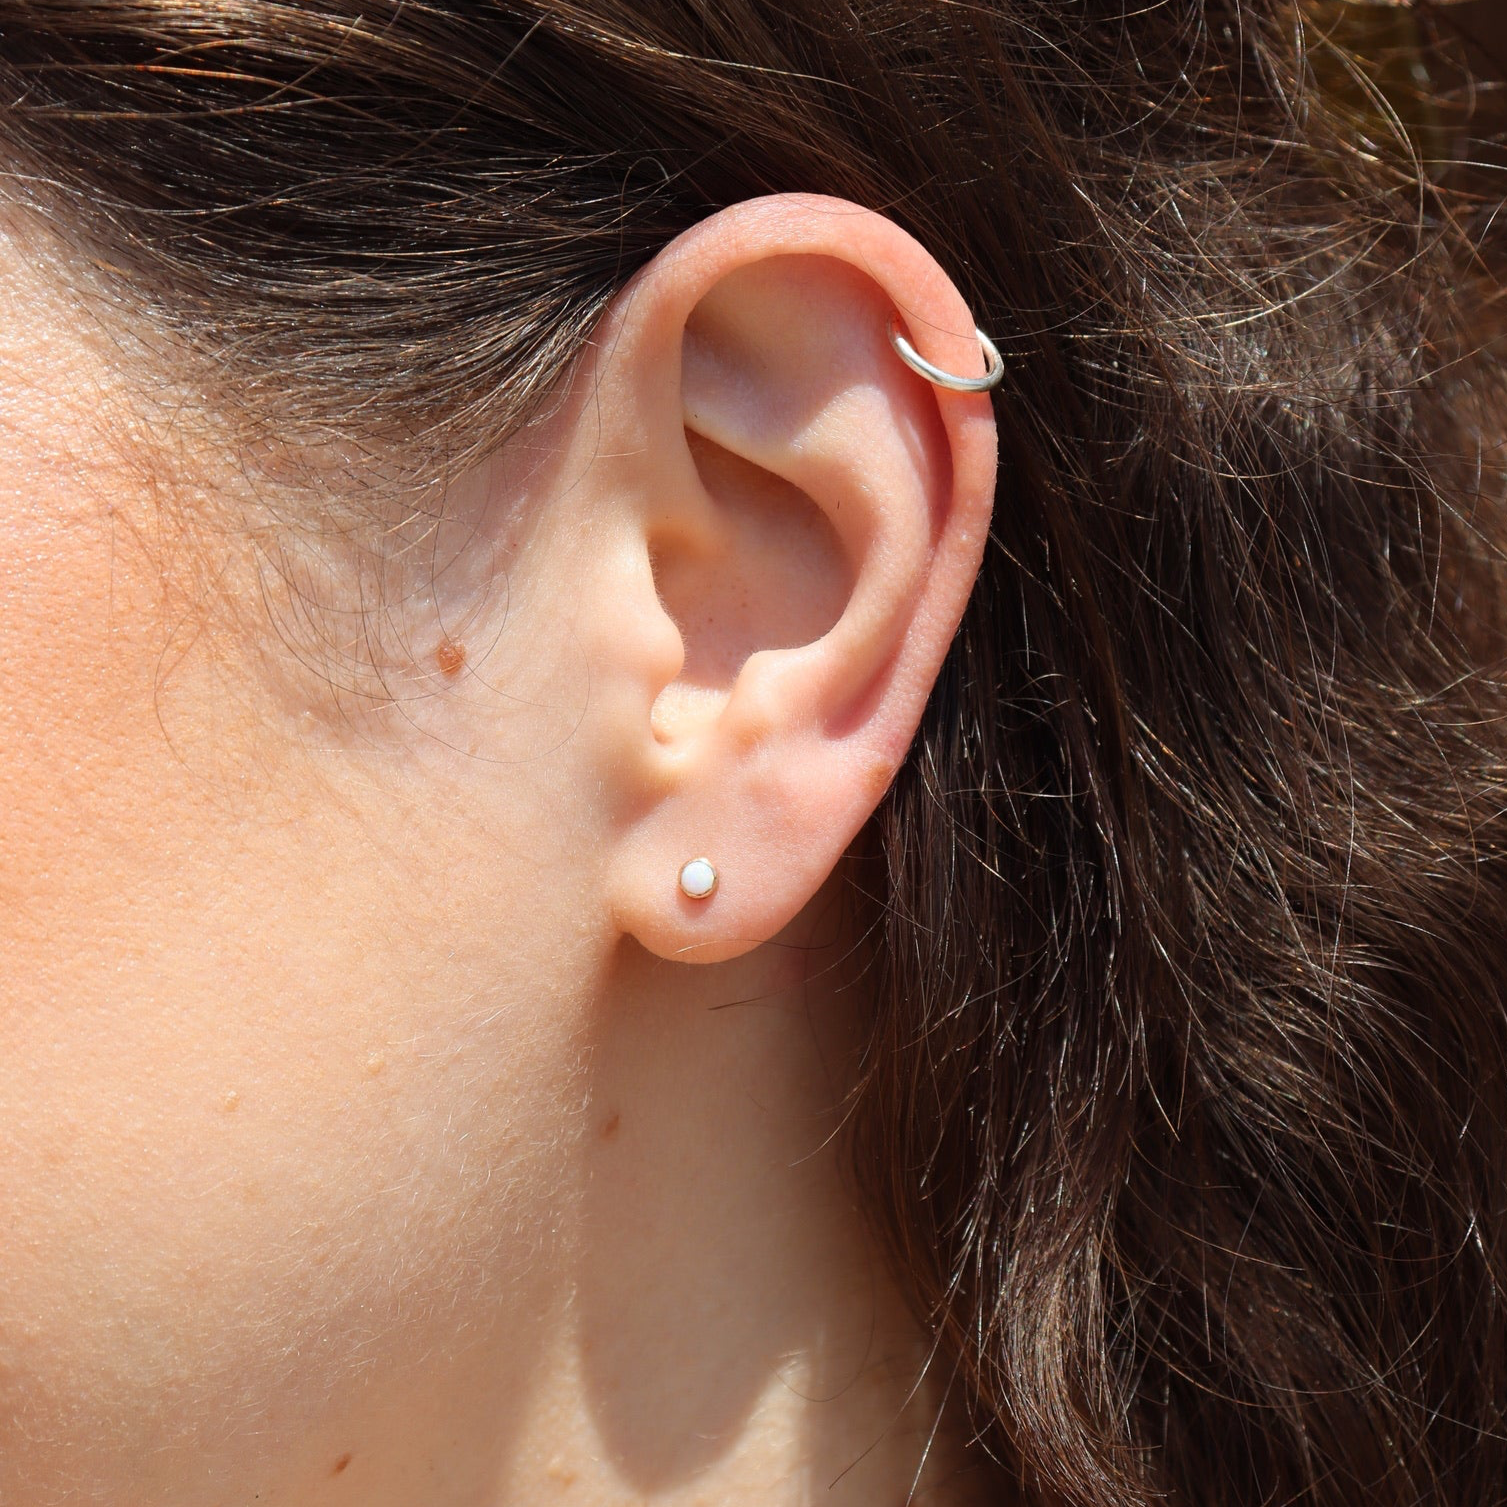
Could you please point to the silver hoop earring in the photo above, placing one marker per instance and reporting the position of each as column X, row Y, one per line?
column 698, row 879
column 918, row 363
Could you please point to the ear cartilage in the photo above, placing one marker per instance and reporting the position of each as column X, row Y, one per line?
column 698, row 879
column 918, row 363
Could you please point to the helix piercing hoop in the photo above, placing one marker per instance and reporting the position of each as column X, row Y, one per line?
column 698, row 878
column 918, row 363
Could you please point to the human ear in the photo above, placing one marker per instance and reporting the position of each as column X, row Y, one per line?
column 797, row 519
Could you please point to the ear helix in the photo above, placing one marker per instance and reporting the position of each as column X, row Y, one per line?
column 698, row 879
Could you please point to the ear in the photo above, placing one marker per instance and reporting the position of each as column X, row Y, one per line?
column 797, row 519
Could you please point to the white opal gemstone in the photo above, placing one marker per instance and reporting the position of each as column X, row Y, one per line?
column 698, row 879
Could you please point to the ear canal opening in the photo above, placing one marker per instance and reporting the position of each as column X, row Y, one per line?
column 767, row 571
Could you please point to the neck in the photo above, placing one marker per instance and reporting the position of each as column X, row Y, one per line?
column 730, row 1333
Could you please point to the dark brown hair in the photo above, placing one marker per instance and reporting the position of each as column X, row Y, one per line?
column 1184, row 1112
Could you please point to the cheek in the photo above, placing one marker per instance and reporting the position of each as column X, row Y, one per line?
column 278, row 1106
column 261, row 1156
column 200, row 1279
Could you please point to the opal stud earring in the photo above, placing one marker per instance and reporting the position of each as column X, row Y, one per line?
column 698, row 878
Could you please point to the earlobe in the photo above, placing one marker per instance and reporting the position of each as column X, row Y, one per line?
column 812, row 510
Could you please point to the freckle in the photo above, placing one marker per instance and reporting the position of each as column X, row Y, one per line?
column 340, row 1464
column 610, row 1128
column 231, row 1102
column 877, row 778
column 450, row 656
column 374, row 1065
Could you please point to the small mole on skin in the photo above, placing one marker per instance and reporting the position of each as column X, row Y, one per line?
column 878, row 777
column 610, row 1128
column 374, row 1065
column 340, row 1464
column 557, row 1470
column 450, row 656
column 231, row 1102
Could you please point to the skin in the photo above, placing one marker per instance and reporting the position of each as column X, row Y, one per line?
column 381, row 1124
